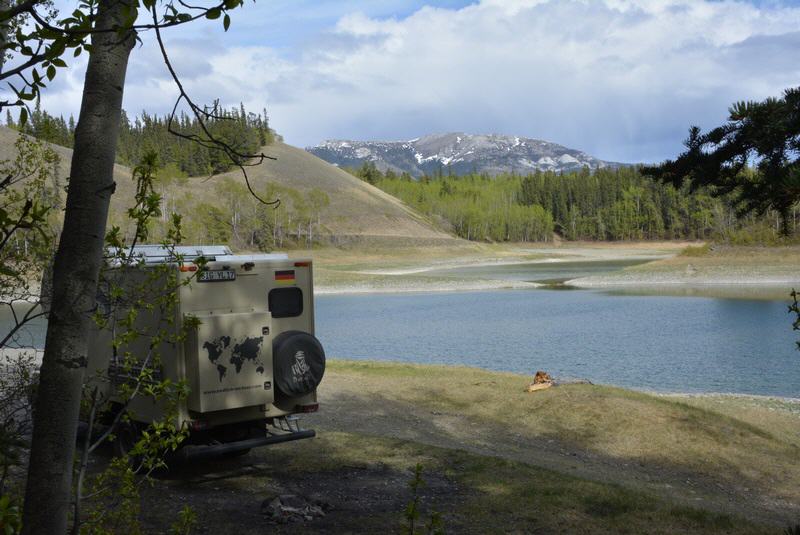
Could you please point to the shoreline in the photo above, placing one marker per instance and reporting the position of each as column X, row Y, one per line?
column 7, row 354
column 499, row 262
column 624, row 278
column 663, row 268
column 467, row 286
column 570, row 380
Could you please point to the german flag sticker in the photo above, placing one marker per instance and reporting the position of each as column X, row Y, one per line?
column 285, row 277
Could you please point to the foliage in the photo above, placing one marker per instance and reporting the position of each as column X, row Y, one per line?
column 696, row 250
column 117, row 483
column 766, row 133
column 32, row 48
column 38, row 40
column 618, row 204
column 10, row 517
column 475, row 207
column 45, row 127
column 244, row 132
column 186, row 521
column 435, row 525
column 368, row 172
column 29, row 192
column 134, row 369
column 608, row 204
column 17, row 387
column 147, row 134
column 237, row 218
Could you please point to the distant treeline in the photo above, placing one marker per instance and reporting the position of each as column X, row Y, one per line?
column 245, row 132
column 607, row 204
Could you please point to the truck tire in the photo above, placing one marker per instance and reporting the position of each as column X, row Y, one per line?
column 298, row 363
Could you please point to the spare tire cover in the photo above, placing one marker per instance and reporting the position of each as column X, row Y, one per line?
column 298, row 362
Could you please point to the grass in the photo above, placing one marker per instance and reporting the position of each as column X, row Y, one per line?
column 696, row 250
column 366, row 472
column 759, row 448
column 495, row 495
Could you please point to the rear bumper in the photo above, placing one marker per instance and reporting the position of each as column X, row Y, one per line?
column 198, row 452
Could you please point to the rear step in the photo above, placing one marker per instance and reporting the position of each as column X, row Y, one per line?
column 198, row 452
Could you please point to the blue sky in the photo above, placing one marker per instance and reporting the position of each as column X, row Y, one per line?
column 620, row 79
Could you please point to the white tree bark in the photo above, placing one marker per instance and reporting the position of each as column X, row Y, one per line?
column 75, row 273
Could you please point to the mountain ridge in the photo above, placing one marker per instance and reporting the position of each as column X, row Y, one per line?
column 459, row 153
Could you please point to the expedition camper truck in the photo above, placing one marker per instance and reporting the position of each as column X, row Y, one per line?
column 249, row 355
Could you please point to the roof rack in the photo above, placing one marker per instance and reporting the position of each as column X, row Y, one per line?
column 158, row 254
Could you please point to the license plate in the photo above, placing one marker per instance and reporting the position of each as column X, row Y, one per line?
column 217, row 276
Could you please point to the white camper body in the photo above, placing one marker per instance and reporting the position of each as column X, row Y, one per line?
column 249, row 355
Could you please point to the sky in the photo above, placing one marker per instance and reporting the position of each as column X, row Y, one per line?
column 619, row 79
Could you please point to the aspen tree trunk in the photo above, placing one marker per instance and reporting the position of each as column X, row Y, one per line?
column 4, row 5
column 75, row 273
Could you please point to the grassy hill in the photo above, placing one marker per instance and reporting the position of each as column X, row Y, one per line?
column 354, row 211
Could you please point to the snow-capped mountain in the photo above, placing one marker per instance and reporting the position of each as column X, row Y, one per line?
column 459, row 153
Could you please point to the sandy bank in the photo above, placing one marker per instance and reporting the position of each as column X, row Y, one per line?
column 695, row 274
column 424, row 270
column 421, row 286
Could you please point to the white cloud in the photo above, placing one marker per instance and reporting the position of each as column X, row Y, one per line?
column 620, row 79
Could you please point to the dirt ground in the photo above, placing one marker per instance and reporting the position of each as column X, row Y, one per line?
column 345, row 410
column 229, row 495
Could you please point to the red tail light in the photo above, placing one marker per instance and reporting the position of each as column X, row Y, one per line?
column 198, row 425
column 302, row 264
column 311, row 407
column 188, row 268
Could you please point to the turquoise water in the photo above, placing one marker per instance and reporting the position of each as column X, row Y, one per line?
column 661, row 343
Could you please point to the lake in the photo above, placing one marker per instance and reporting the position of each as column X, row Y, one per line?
column 663, row 343
column 690, row 343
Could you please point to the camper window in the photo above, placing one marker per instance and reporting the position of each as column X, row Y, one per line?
column 286, row 302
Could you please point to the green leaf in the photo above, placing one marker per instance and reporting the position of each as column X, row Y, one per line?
column 77, row 52
column 214, row 13
column 23, row 116
column 226, row 22
column 232, row 4
column 8, row 272
column 51, row 72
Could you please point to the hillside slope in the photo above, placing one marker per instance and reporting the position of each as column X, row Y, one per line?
column 357, row 211
column 356, row 208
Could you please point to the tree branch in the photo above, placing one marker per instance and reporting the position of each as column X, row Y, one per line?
column 199, row 113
